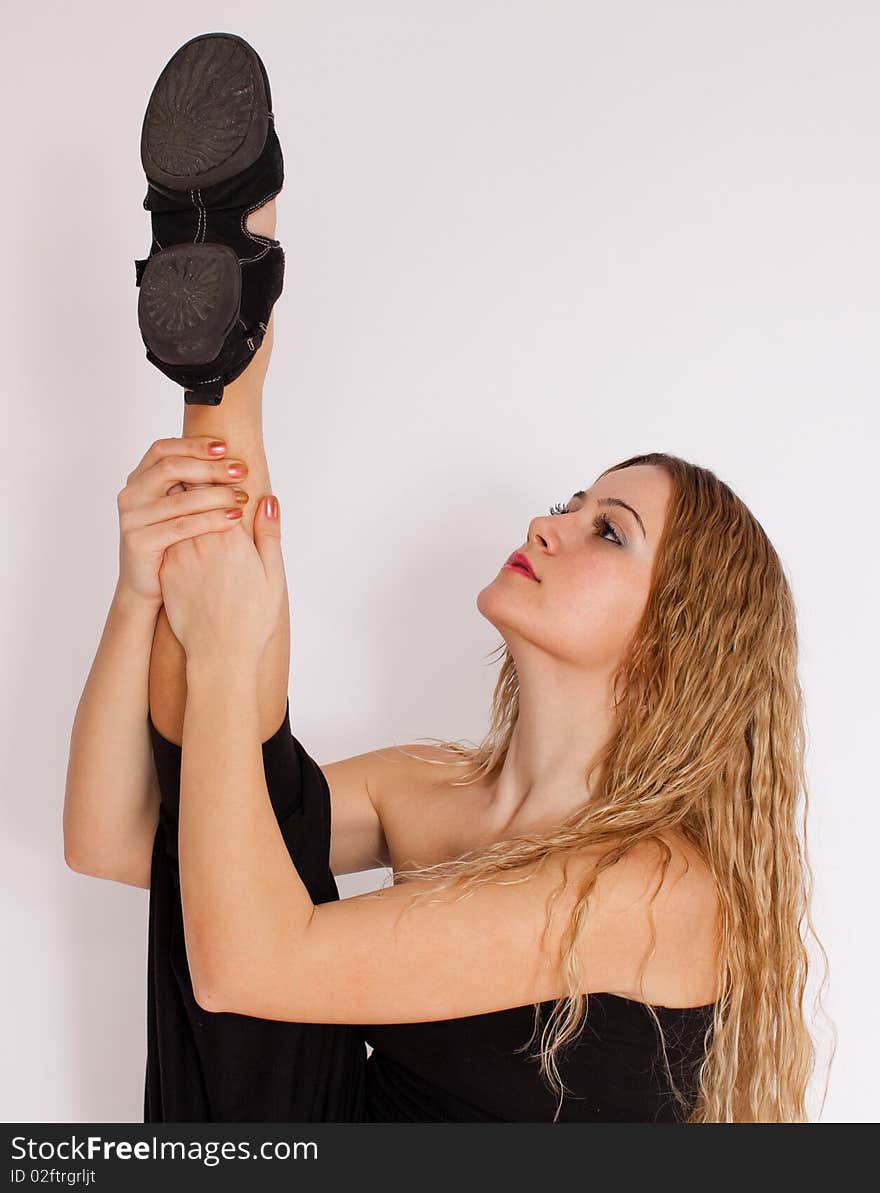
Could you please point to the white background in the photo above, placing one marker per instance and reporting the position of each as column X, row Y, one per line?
column 524, row 240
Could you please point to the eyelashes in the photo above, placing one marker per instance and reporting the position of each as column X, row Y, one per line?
column 601, row 523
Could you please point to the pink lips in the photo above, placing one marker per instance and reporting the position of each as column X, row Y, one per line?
column 519, row 563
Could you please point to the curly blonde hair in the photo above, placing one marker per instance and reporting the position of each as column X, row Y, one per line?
column 709, row 742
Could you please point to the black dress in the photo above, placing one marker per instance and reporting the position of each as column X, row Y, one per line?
column 205, row 1066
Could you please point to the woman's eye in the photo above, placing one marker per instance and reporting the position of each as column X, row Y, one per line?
column 603, row 526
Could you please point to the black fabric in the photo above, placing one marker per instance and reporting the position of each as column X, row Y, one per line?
column 468, row 1069
column 221, row 1067
column 205, row 1066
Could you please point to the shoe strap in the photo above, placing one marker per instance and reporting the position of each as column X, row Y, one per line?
column 205, row 393
column 210, row 393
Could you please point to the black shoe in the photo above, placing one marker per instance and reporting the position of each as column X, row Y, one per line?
column 211, row 156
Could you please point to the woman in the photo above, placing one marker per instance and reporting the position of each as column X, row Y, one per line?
column 615, row 867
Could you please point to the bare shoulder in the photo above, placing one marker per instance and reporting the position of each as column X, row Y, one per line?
column 673, row 884
column 368, row 792
column 421, row 807
column 673, row 864
column 407, row 771
column 679, row 907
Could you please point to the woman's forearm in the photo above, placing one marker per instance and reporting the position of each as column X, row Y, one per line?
column 111, row 800
column 241, row 895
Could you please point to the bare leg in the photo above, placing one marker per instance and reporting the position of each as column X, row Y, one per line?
column 238, row 420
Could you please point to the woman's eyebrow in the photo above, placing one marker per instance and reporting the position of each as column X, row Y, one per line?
column 615, row 501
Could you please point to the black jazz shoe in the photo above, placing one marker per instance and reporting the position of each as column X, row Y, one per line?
column 211, row 157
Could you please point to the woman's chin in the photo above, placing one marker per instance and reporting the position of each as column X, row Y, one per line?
column 499, row 607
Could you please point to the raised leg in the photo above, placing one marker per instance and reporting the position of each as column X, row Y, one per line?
column 238, row 420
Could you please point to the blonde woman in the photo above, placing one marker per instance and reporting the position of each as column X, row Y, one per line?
column 596, row 912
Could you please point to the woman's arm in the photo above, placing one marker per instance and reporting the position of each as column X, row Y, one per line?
column 111, row 800
column 257, row 945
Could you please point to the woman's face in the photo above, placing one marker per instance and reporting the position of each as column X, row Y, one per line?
column 593, row 567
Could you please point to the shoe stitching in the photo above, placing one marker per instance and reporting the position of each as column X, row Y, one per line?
column 192, row 197
column 255, row 236
column 207, row 381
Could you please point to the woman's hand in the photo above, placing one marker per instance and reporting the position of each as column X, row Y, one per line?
column 155, row 511
column 224, row 593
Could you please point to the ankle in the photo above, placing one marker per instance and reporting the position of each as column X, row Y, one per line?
column 240, row 413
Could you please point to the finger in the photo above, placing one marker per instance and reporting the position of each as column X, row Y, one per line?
column 183, row 504
column 159, row 536
column 161, row 478
column 198, row 446
column 267, row 536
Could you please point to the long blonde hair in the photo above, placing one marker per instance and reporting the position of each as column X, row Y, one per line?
column 709, row 741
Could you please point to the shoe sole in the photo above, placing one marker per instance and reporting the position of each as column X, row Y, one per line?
column 189, row 302
column 207, row 118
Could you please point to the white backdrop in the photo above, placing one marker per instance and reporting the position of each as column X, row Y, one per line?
column 524, row 240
